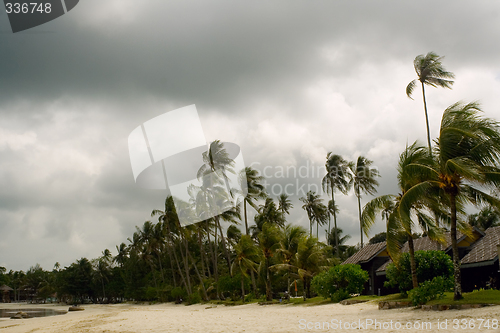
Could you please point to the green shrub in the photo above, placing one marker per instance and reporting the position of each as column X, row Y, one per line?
column 194, row 298
column 249, row 297
column 179, row 293
column 429, row 265
column 429, row 290
column 340, row 281
column 151, row 293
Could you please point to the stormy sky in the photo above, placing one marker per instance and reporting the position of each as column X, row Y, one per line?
column 288, row 81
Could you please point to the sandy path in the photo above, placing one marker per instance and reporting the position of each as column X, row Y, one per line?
column 247, row 318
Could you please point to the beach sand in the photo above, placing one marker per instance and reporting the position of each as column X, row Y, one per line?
column 245, row 318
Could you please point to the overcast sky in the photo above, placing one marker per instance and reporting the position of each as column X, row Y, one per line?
column 288, row 81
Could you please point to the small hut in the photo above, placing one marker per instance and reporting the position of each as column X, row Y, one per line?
column 5, row 292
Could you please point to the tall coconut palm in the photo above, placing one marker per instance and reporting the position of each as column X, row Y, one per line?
column 466, row 158
column 289, row 245
column 430, row 71
column 316, row 211
column 362, row 179
column 168, row 220
column 388, row 206
column 267, row 213
column 269, row 239
column 335, row 179
column 284, row 205
column 310, row 260
column 255, row 191
column 341, row 241
column 247, row 257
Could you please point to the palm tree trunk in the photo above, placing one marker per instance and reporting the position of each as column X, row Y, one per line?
column 427, row 121
column 335, row 224
column 305, row 288
column 161, row 267
column 216, row 262
column 205, row 296
column 317, row 227
column 269, row 294
column 223, row 239
column 456, row 259
column 169, row 250
column 179, row 268
column 245, row 212
column 186, row 266
column 242, row 289
column 202, row 253
column 412, row 261
column 360, row 221
column 254, row 284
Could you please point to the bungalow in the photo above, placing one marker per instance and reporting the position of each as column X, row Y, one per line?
column 478, row 254
column 480, row 266
column 370, row 257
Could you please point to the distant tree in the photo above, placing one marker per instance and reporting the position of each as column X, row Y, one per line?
column 486, row 218
column 378, row 238
column 363, row 180
column 430, row 71
column 316, row 211
column 284, row 205
column 335, row 179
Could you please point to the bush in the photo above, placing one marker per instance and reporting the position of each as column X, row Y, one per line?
column 340, row 281
column 179, row 293
column 430, row 264
column 429, row 290
column 194, row 298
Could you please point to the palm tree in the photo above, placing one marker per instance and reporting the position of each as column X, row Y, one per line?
column 216, row 159
column 255, row 190
column 335, row 179
column 284, row 205
column 289, row 245
column 316, row 210
column 269, row 239
column 486, row 218
column 247, row 256
column 362, row 179
column 466, row 156
column 342, row 248
column 388, row 205
column 310, row 261
column 268, row 212
column 430, row 71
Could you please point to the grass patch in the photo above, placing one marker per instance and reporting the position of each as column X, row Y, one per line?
column 489, row 296
column 373, row 298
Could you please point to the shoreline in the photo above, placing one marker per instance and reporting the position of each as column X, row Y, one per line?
column 170, row 317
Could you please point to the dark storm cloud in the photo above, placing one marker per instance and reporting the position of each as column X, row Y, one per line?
column 288, row 81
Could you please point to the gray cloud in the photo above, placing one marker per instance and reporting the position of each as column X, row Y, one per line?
column 288, row 81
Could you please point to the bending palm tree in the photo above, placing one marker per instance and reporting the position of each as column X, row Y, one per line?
column 335, row 179
column 430, row 72
column 255, row 191
column 362, row 178
column 316, row 210
column 388, row 206
column 284, row 205
column 289, row 245
column 247, row 256
column 269, row 239
column 466, row 156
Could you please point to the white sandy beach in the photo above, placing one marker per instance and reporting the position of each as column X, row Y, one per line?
column 247, row 318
